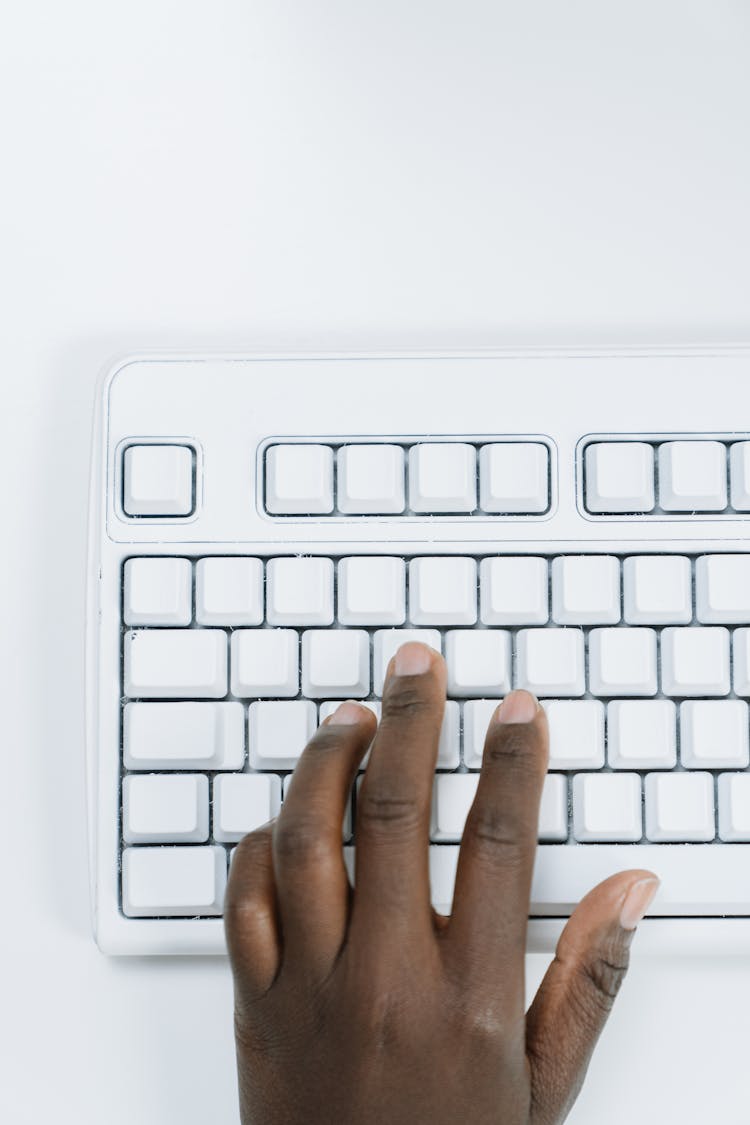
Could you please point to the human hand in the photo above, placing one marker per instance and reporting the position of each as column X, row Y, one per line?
column 365, row 1006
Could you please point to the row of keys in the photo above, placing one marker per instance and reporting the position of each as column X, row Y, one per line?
column 585, row 590
column 336, row 663
column 641, row 734
column 621, row 477
column 431, row 478
column 700, row 880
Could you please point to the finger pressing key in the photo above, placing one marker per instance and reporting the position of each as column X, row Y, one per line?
column 496, row 859
column 392, row 898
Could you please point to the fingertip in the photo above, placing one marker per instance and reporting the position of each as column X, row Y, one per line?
column 414, row 658
column 350, row 713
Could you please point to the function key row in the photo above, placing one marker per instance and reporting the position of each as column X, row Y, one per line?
column 423, row 479
column 442, row 590
column 668, row 477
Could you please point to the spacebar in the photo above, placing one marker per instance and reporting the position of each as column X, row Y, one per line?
column 696, row 879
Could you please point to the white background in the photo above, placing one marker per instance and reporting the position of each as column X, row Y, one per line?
column 280, row 174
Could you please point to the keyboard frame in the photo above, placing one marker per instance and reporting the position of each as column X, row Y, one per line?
column 116, row 934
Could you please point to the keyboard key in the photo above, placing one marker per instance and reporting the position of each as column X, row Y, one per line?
column 641, row 734
column 514, row 477
column 372, row 591
column 479, row 662
column 229, row 591
column 477, row 715
column 739, row 472
column 692, row 476
column 164, row 808
column 576, row 733
column 553, row 809
column 158, row 480
column 620, row 477
column 244, row 802
column 335, row 663
column 442, row 477
column 550, row 661
column 734, row 806
column 370, row 479
column 299, row 591
column 679, row 807
column 607, row 806
column 452, row 797
column 299, row 479
column 741, row 653
column 514, row 591
column 442, row 591
column 265, row 662
column 387, row 641
column 183, row 736
column 158, row 592
column 657, row 590
column 622, row 662
column 714, row 734
column 279, row 732
column 450, row 737
column 173, row 882
column 722, row 589
column 586, row 590
column 695, row 661
column 175, row 664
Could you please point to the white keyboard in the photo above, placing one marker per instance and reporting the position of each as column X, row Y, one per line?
column 266, row 532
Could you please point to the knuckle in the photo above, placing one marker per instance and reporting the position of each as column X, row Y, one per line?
column 496, row 838
column 299, row 840
column 604, row 971
column 514, row 745
column 404, row 702
column 328, row 739
column 381, row 810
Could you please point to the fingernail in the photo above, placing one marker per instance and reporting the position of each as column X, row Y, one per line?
column 412, row 659
column 637, row 901
column 517, row 707
column 347, row 714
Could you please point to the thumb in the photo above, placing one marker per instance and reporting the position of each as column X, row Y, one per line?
column 576, row 996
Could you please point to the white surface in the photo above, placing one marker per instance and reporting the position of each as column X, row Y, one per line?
column 282, row 175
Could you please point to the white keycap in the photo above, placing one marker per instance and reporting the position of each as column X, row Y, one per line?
column 477, row 715
column 346, row 827
column 244, row 802
column 173, row 882
column 679, row 807
column 370, row 479
column 175, row 663
column 576, row 733
column 701, row 880
column 479, row 662
column 299, row 591
column 299, row 479
column 158, row 592
column 229, row 591
column 183, row 736
column 265, row 662
column 442, row 477
column 452, row 797
column 158, row 480
column 641, row 734
column 514, row 477
column 619, row 477
column 164, row 808
column 387, row 641
column 553, row 808
column 586, row 590
column 722, row 589
column 336, row 663
column 734, row 806
column 607, row 806
column 622, row 662
column 695, row 661
column 442, row 591
column 450, row 737
column 714, row 734
column 550, row 661
column 741, row 653
column 279, row 732
column 330, row 705
column 739, row 473
column 692, row 476
column 371, row 591
column 657, row 590
column 514, row 591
